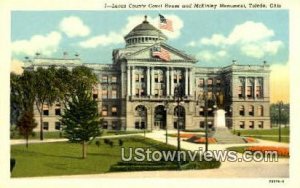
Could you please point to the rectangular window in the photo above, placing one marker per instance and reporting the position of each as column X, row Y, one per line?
column 251, row 125
column 161, row 79
column 180, row 78
column 46, row 110
column 261, row 124
column 114, row 79
column 210, row 82
column 57, row 125
column 137, row 92
column 57, row 112
column 202, row 124
column 249, row 92
column 143, row 92
column 201, row 82
column 142, row 78
column 258, row 91
column 104, row 110
column 201, row 112
column 104, row 124
column 156, row 78
column 156, row 92
column 114, row 94
column 175, row 78
column 251, row 111
column 104, row 93
column 114, row 111
column 137, row 78
column 104, row 79
column 218, row 82
column 242, row 124
column 46, row 125
column 240, row 91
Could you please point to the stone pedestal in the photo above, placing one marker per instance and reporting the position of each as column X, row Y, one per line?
column 221, row 133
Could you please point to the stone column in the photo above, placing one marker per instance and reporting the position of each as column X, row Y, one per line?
column 172, row 81
column 167, row 81
column 132, row 81
column 254, row 87
column 186, row 82
column 191, row 83
column 128, row 81
column 148, row 81
column 152, row 81
column 245, row 90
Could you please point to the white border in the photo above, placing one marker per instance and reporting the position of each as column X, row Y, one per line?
column 6, row 6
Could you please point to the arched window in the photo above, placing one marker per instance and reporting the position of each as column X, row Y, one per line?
column 260, row 110
column 251, row 110
column 242, row 110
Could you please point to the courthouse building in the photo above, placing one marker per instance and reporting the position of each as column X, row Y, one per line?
column 136, row 90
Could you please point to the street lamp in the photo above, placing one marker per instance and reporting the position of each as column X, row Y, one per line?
column 178, row 93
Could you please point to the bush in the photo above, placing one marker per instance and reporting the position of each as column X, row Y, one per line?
column 98, row 143
column 12, row 164
column 120, row 142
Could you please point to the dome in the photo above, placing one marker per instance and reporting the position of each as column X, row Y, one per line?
column 144, row 34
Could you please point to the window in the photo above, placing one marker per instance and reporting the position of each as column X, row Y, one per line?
column 156, row 92
column 218, row 82
column 240, row 91
column 258, row 92
column 202, row 124
column 46, row 125
column 251, row 110
column 142, row 78
column 201, row 111
column 261, row 124
column 242, row 111
column 175, row 78
column 201, row 82
column 210, row 82
column 114, row 94
column 104, row 78
column 260, row 111
column 242, row 124
column 114, row 111
column 180, row 78
column 137, row 77
column 57, row 125
column 46, row 110
column 104, row 124
column 143, row 92
column 57, row 112
column 137, row 92
column 210, row 124
column 161, row 79
column 104, row 110
column 156, row 78
column 251, row 125
column 104, row 93
column 249, row 92
column 114, row 79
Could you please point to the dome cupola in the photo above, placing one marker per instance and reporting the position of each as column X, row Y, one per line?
column 144, row 34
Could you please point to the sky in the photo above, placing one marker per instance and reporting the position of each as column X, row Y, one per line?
column 214, row 38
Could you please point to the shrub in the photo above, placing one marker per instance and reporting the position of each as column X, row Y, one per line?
column 12, row 164
column 97, row 143
column 120, row 142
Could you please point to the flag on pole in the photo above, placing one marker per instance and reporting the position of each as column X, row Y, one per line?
column 165, row 23
column 161, row 53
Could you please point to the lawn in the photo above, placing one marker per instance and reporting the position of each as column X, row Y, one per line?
column 63, row 158
column 284, row 131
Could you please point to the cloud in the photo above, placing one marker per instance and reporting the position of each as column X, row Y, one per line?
column 46, row 44
column 132, row 21
column 16, row 66
column 210, row 56
column 74, row 27
column 280, row 85
column 253, row 39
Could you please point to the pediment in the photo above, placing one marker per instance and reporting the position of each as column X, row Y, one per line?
column 174, row 54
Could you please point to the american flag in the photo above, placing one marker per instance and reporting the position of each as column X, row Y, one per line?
column 161, row 53
column 165, row 23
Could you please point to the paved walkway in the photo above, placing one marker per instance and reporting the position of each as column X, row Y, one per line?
column 228, row 169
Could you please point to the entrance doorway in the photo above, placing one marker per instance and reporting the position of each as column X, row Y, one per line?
column 160, row 117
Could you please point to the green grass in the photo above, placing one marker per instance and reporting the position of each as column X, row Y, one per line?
column 62, row 158
column 284, row 131
column 285, row 139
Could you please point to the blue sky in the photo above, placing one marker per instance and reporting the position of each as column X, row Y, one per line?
column 215, row 38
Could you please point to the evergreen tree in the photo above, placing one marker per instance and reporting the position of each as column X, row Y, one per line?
column 26, row 124
column 81, row 119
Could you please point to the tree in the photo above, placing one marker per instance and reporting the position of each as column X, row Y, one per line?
column 26, row 124
column 81, row 119
column 46, row 91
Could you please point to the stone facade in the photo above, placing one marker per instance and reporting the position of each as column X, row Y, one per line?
column 136, row 91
